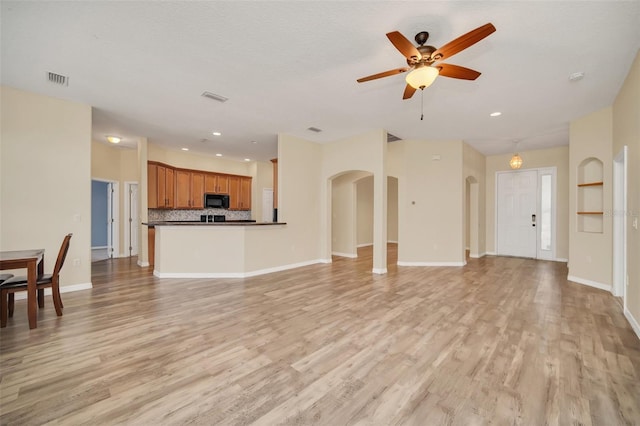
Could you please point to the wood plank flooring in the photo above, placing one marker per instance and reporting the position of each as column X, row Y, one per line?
column 501, row 341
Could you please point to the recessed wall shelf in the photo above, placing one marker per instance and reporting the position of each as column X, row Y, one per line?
column 589, row 200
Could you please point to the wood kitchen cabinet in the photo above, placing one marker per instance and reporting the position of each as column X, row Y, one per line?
column 189, row 189
column 239, row 193
column 215, row 183
column 160, row 190
column 175, row 188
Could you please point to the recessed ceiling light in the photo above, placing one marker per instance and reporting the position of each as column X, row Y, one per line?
column 217, row 133
column 247, row 159
column 114, row 139
column 576, row 76
column 218, row 155
column 185, row 149
column 495, row 114
column 215, row 97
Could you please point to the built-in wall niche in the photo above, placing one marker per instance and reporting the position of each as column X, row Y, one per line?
column 590, row 202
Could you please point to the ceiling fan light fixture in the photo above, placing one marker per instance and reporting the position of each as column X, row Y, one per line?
column 114, row 139
column 422, row 77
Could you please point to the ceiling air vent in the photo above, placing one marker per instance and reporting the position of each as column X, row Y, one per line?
column 314, row 129
column 62, row 80
column 215, row 97
column 392, row 138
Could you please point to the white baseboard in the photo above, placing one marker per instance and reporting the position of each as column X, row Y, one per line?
column 491, row 253
column 477, row 256
column 364, row 245
column 392, row 242
column 350, row 255
column 143, row 264
column 63, row 289
column 559, row 259
column 236, row 274
column 325, row 260
column 589, row 283
column 632, row 321
column 430, row 263
column 379, row 271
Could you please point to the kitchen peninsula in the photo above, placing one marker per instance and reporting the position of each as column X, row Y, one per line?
column 213, row 249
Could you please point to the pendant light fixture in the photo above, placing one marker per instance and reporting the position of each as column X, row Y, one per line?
column 516, row 161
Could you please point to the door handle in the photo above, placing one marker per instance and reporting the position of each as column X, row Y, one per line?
column 533, row 220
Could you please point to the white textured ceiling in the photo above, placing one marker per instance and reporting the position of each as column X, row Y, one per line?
column 289, row 65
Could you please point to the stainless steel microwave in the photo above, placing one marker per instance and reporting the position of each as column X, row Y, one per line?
column 216, row 201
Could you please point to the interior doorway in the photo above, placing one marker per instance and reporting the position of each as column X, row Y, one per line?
column 352, row 216
column 104, row 219
column 526, row 213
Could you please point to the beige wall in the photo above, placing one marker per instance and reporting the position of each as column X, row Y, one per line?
column 189, row 160
column 590, row 254
column 430, row 229
column 45, row 169
column 299, row 200
column 392, row 209
column 553, row 157
column 626, row 131
column 364, row 191
column 115, row 164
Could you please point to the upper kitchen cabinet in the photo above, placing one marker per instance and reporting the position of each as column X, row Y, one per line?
column 160, row 191
column 189, row 189
column 239, row 193
column 216, row 184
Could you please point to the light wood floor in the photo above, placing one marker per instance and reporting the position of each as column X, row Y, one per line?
column 501, row 341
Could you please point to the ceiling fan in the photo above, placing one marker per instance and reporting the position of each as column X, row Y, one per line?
column 421, row 60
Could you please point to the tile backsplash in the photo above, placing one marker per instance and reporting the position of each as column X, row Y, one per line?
column 160, row 215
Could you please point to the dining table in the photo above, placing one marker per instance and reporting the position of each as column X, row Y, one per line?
column 33, row 261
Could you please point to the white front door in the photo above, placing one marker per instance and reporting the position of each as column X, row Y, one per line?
column 516, row 213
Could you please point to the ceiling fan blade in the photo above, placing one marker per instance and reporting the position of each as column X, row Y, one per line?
column 456, row 71
column 404, row 45
column 462, row 42
column 408, row 91
column 382, row 74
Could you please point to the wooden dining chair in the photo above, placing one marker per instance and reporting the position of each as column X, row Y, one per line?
column 15, row 284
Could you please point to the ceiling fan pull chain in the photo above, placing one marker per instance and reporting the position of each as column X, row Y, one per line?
column 422, row 105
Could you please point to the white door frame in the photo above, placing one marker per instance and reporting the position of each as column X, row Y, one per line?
column 542, row 170
column 552, row 253
column 619, row 287
column 113, row 233
column 131, row 222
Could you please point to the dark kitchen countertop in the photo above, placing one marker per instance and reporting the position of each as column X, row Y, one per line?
column 198, row 223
